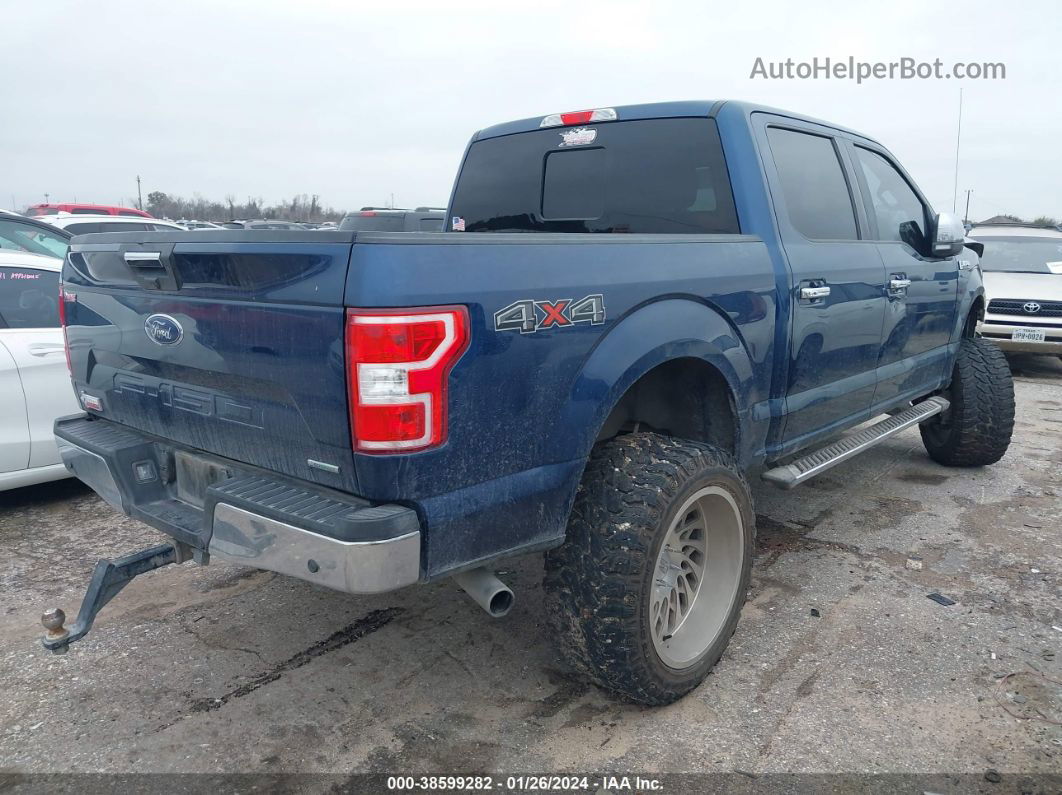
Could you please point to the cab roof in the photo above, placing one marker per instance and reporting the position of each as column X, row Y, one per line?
column 664, row 110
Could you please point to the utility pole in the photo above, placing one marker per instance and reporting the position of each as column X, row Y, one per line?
column 139, row 198
column 958, row 137
column 966, row 215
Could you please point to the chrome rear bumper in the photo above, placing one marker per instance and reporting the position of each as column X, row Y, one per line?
column 357, row 567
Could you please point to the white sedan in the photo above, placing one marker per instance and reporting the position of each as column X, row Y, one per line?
column 82, row 224
column 34, row 381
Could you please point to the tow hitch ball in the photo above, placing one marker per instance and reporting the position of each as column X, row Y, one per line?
column 108, row 579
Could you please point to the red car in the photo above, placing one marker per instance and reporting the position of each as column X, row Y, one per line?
column 87, row 209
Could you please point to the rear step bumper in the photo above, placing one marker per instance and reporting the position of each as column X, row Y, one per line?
column 241, row 515
column 809, row 466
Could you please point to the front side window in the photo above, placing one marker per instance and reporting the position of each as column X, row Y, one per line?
column 18, row 236
column 897, row 208
column 816, row 193
column 29, row 298
column 651, row 176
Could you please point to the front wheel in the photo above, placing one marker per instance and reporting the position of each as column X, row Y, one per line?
column 647, row 590
column 976, row 428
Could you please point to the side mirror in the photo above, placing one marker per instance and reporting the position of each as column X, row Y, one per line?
column 948, row 235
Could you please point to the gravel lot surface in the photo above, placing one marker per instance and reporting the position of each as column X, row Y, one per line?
column 840, row 663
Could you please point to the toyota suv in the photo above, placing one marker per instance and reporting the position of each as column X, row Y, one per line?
column 1022, row 267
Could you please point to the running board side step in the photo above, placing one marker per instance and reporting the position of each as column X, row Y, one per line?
column 790, row 475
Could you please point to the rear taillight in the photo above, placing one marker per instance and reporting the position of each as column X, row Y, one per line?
column 64, row 296
column 579, row 117
column 398, row 366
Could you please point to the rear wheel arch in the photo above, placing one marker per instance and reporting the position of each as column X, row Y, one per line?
column 685, row 397
column 673, row 338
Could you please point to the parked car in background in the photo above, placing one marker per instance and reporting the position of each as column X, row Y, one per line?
column 198, row 224
column 379, row 219
column 88, row 224
column 1022, row 267
column 34, row 380
column 263, row 223
column 85, row 209
column 19, row 233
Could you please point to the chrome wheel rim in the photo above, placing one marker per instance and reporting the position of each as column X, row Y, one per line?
column 696, row 576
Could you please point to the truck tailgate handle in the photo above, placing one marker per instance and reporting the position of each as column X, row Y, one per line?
column 144, row 259
column 152, row 268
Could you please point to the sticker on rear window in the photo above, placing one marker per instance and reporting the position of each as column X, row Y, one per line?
column 580, row 136
column 458, row 223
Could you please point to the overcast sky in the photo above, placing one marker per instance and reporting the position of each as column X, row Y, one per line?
column 359, row 101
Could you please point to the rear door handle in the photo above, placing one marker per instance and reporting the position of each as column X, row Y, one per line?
column 44, row 348
column 811, row 293
column 899, row 284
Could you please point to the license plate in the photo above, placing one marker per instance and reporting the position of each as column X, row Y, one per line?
column 1028, row 335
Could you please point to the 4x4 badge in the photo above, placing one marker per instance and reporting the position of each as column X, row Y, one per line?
column 528, row 316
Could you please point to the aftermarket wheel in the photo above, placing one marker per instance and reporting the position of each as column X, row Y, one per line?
column 976, row 428
column 648, row 588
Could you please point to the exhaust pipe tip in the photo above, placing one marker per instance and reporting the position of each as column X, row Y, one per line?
column 501, row 603
column 487, row 591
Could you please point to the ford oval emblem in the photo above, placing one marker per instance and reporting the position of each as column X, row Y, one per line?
column 163, row 329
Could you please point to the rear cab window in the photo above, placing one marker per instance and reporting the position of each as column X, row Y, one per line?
column 29, row 298
column 651, row 176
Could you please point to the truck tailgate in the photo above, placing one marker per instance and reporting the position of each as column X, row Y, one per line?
column 225, row 342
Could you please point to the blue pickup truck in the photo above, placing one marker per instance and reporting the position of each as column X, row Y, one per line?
column 630, row 312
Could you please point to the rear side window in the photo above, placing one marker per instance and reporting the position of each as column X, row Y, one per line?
column 816, row 193
column 431, row 224
column 653, row 176
column 27, row 237
column 29, row 298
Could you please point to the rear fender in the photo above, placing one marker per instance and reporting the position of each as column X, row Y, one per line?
column 647, row 337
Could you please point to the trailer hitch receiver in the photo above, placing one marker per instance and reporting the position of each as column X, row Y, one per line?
column 108, row 579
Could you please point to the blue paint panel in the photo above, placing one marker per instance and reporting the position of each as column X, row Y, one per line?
column 518, row 401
